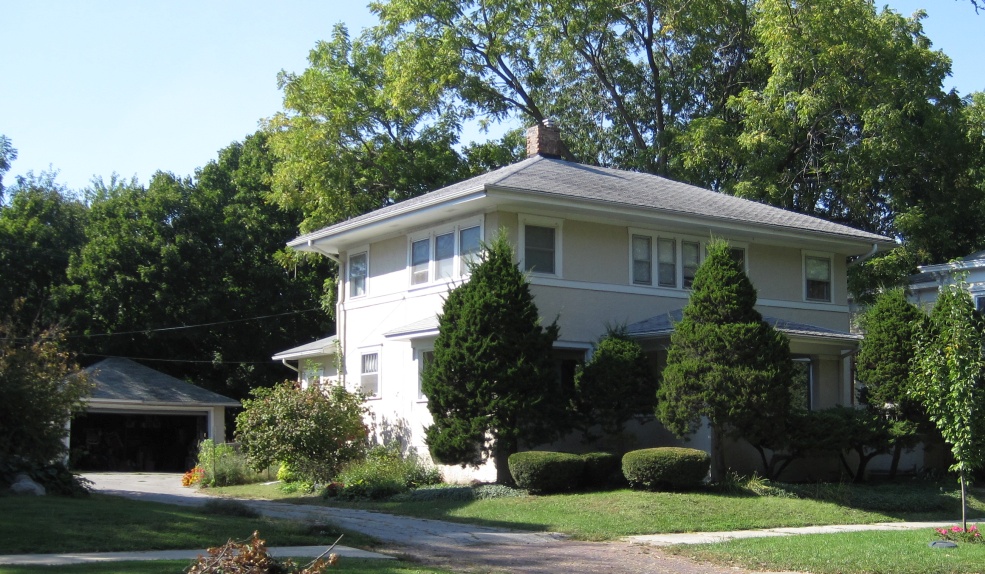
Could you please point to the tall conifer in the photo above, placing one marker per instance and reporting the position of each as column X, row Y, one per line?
column 491, row 386
column 725, row 363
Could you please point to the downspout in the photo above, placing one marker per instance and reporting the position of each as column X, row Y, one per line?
column 340, row 324
column 288, row 365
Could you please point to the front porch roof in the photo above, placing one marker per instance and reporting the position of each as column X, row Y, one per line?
column 317, row 348
column 426, row 327
column 663, row 326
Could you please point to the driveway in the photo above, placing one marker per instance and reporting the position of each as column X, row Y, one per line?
column 457, row 547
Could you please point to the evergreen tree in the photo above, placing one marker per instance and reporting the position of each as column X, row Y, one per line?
column 891, row 327
column 614, row 385
column 492, row 385
column 725, row 363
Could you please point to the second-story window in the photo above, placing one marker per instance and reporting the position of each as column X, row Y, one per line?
column 817, row 278
column 358, row 271
column 441, row 254
column 690, row 261
column 667, row 262
column 538, row 253
column 642, row 260
column 420, row 261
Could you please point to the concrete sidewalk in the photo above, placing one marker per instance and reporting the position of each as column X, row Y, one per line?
column 712, row 537
column 87, row 557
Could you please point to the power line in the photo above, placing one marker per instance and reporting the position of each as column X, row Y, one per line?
column 179, row 328
column 179, row 360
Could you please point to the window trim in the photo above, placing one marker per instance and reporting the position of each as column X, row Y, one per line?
column 458, row 267
column 378, row 351
column 831, row 273
column 679, row 240
column 364, row 250
column 523, row 221
column 419, row 353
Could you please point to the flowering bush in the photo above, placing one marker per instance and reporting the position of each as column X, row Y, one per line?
column 193, row 476
column 958, row 534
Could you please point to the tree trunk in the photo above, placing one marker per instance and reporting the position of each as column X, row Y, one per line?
column 897, row 454
column 717, row 455
column 501, row 458
column 964, row 503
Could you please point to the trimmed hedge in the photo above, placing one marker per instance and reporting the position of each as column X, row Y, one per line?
column 546, row 472
column 667, row 468
column 601, row 469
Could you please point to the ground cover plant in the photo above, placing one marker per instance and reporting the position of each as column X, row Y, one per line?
column 879, row 552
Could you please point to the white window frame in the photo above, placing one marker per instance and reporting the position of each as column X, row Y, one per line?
column 538, row 221
column 419, row 353
column 348, row 275
column 679, row 240
column 831, row 275
column 378, row 351
column 458, row 267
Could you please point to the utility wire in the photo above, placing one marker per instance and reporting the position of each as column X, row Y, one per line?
column 165, row 329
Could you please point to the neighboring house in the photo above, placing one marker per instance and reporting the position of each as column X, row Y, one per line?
column 924, row 286
column 601, row 247
column 140, row 419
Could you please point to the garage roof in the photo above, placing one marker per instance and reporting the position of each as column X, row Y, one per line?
column 125, row 381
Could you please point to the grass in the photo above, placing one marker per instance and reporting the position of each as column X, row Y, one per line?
column 883, row 552
column 608, row 515
column 98, row 523
column 348, row 566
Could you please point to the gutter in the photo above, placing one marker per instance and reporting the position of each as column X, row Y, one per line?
column 860, row 260
column 288, row 365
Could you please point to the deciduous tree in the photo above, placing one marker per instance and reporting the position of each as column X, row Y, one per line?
column 948, row 372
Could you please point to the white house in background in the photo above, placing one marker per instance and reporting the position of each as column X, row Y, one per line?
column 601, row 247
column 924, row 286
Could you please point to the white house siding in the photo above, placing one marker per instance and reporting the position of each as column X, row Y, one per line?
column 594, row 290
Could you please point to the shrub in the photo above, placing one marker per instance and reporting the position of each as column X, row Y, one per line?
column 601, row 469
column 193, row 476
column 315, row 431
column 384, row 473
column 54, row 477
column 223, row 465
column 546, row 472
column 665, row 468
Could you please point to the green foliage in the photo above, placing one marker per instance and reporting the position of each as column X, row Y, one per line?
column 492, row 376
column 314, row 431
column 546, row 472
column 40, row 390
column 190, row 252
column 666, row 468
column 948, row 372
column 384, row 473
column 891, row 327
column 615, row 384
column 41, row 227
column 601, row 469
column 7, row 154
column 55, row 477
column 223, row 465
column 725, row 363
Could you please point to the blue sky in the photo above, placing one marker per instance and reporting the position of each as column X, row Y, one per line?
column 102, row 86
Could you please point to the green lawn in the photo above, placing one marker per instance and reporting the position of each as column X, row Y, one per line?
column 608, row 515
column 885, row 552
column 98, row 523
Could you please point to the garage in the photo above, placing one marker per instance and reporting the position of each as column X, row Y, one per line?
column 139, row 419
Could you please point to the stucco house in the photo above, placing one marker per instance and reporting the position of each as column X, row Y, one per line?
column 601, row 247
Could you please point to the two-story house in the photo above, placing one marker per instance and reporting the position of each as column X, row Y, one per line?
column 601, row 247
column 925, row 286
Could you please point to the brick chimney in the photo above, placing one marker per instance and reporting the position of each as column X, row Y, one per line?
column 544, row 139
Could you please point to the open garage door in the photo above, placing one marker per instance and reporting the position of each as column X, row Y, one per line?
column 151, row 442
